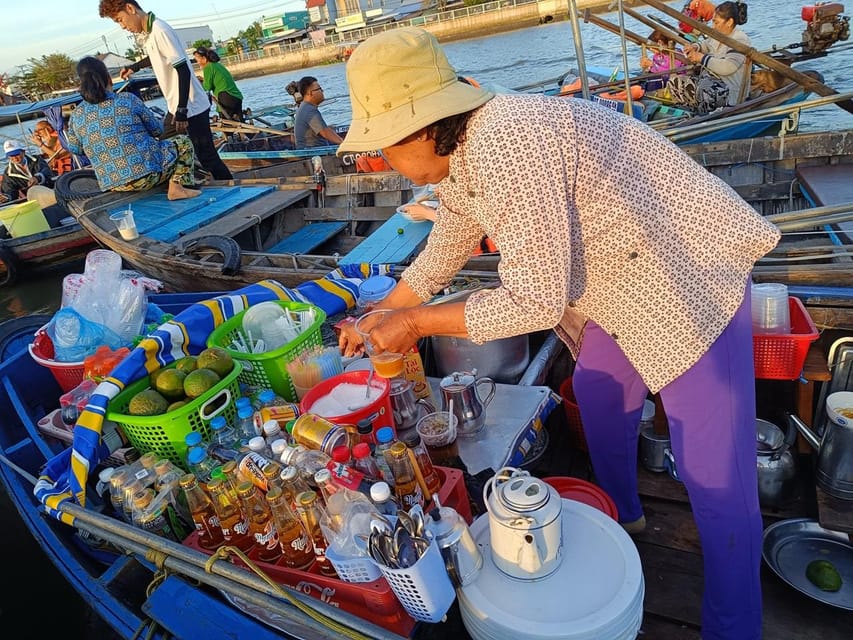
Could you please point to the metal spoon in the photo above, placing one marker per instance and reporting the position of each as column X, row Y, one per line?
column 405, row 520
column 416, row 513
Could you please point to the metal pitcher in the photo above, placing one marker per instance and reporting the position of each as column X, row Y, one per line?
column 468, row 407
column 777, row 470
column 462, row 557
column 834, row 472
column 405, row 406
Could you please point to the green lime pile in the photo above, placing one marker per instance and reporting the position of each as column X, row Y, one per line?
column 172, row 388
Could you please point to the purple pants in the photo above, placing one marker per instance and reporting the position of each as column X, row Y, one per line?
column 711, row 413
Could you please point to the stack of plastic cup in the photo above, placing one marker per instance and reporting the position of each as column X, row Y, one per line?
column 103, row 266
column 770, row 311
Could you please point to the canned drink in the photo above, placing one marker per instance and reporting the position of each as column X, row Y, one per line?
column 281, row 413
column 315, row 432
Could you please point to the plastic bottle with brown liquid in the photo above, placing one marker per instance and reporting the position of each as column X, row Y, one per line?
column 296, row 548
column 309, row 511
column 234, row 524
column 261, row 523
column 202, row 512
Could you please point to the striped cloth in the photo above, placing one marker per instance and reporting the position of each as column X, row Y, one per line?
column 64, row 476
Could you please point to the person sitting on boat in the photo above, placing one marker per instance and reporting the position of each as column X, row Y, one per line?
column 58, row 158
column 663, row 56
column 23, row 171
column 717, row 61
column 219, row 82
column 621, row 262
column 118, row 134
column 309, row 127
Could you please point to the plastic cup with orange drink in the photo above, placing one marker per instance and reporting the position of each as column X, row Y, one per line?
column 387, row 364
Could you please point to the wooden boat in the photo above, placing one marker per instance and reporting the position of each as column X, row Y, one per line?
column 251, row 229
column 114, row 567
column 58, row 248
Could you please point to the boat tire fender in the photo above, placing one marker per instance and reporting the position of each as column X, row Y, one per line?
column 8, row 266
column 78, row 184
column 17, row 333
column 228, row 247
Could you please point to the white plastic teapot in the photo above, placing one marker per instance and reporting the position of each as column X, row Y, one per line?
column 525, row 524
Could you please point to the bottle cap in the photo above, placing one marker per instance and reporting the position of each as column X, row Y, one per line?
column 361, row 450
column 257, row 443
column 271, row 427
column 380, row 491
column 277, row 446
column 196, row 455
column 218, row 472
column 244, row 411
column 105, row 474
column 243, row 401
column 364, row 426
column 340, row 454
column 245, row 488
column 288, row 456
column 385, row 434
column 218, row 422
column 150, row 459
column 375, row 288
column 266, row 395
column 142, row 498
column 192, row 439
column 322, row 476
column 187, row 480
column 289, row 426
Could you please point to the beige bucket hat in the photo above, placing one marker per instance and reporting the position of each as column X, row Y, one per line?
column 400, row 81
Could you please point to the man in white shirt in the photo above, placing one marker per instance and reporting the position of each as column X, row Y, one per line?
column 189, row 106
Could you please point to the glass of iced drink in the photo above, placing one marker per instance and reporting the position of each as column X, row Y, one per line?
column 438, row 432
column 385, row 363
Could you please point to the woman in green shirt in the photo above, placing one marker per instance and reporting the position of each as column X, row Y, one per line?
column 218, row 81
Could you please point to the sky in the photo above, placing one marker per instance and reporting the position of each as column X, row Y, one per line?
column 73, row 27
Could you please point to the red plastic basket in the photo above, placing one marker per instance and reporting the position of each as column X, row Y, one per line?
column 573, row 414
column 781, row 356
column 68, row 374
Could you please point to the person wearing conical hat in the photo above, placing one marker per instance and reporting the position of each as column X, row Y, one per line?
column 602, row 228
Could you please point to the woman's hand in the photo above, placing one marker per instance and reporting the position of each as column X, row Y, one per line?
column 395, row 332
column 645, row 64
column 418, row 212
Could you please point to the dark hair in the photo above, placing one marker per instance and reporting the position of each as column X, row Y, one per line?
column 732, row 11
column 208, row 54
column 449, row 132
column 94, row 79
column 658, row 37
column 305, row 83
column 110, row 8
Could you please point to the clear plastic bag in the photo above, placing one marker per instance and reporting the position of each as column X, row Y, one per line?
column 74, row 337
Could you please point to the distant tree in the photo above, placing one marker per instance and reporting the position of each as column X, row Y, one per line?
column 233, row 46
column 207, row 44
column 253, row 36
column 49, row 73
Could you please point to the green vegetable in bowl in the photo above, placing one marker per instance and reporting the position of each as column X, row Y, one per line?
column 823, row 575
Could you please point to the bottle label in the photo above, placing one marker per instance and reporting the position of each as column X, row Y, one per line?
column 267, row 537
column 345, row 476
column 414, row 371
column 301, row 543
column 411, row 499
column 252, row 467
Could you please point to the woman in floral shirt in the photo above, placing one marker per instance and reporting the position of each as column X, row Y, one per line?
column 608, row 233
column 118, row 134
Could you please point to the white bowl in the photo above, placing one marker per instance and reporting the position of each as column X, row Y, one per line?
column 837, row 402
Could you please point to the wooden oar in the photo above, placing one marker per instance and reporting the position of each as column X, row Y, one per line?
column 802, row 79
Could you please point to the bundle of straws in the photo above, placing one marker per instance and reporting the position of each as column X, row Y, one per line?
column 314, row 365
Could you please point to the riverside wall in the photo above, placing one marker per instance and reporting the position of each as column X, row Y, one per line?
column 504, row 18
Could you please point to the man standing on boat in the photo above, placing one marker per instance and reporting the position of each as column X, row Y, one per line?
column 309, row 127
column 603, row 233
column 189, row 106
column 23, row 171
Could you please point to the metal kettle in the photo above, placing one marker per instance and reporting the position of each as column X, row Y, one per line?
column 462, row 557
column 525, row 524
column 776, row 466
column 468, row 407
column 834, row 471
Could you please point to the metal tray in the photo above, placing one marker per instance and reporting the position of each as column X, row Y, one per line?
column 790, row 545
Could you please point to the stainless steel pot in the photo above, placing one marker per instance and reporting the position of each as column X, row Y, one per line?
column 503, row 360
column 777, row 470
column 653, row 448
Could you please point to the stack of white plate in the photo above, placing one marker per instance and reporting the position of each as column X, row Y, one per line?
column 595, row 594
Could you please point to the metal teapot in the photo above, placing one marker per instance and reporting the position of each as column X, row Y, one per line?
column 405, row 406
column 834, row 472
column 777, row 469
column 525, row 524
column 469, row 409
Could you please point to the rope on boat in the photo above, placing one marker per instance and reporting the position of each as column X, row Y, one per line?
column 222, row 553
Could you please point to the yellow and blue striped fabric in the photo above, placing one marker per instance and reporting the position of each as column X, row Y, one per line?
column 64, row 476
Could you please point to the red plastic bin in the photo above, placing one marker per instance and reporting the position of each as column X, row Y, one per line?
column 67, row 374
column 781, row 356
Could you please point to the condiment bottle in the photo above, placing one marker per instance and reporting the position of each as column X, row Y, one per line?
column 365, row 432
column 406, row 484
column 365, row 463
column 297, row 549
column 202, row 512
column 430, row 475
column 310, row 514
column 232, row 520
column 261, row 524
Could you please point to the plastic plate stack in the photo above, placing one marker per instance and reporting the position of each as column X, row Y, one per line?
column 597, row 592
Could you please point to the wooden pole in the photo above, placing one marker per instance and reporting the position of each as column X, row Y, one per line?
column 781, row 68
column 672, row 35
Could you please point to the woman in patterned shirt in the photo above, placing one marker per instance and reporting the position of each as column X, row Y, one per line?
column 118, row 134
column 608, row 233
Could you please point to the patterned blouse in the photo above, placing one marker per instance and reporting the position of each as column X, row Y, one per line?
column 596, row 217
column 118, row 136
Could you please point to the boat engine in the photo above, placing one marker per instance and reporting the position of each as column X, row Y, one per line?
column 824, row 26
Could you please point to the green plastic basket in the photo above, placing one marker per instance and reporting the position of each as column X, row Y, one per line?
column 164, row 434
column 269, row 370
